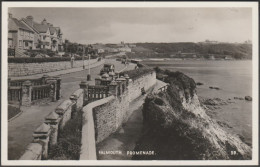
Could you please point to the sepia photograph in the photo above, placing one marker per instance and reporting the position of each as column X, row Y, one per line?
column 129, row 83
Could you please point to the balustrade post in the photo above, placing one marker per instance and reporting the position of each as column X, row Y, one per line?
column 53, row 89
column 112, row 88
column 120, row 83
column 44, row 78
column 58, row 92
column 41, row 135
column 127, row 80
column 53, row 120
column 74, row 99
column 84, row 85
column 26, row 93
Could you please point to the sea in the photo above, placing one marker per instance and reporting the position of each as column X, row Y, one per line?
column 233, row 77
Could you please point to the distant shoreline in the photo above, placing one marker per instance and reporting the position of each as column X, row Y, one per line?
column 180, row 59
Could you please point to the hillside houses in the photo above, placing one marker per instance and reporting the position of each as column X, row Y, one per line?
column 27, row 34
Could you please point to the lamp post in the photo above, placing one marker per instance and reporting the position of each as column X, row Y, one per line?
column 88, row 51
column 83, row 57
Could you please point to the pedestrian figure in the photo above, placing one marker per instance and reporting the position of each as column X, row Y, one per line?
column 72, row 61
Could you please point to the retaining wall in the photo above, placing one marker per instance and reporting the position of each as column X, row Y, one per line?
column 103, row 117
column 88, row 147
column 24, row 69
column 146, row 81
column 109, row 116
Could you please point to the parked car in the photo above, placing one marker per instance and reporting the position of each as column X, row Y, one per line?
column 107, row 68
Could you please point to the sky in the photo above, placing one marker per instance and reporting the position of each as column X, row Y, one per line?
column 113, row 25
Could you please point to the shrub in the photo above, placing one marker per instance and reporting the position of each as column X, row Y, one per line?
column 39, row 60
column 13, row 111
column 133, row 74
column 158, row 101
column 69, row 144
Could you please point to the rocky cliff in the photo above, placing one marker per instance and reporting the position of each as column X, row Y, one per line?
column 176, row 126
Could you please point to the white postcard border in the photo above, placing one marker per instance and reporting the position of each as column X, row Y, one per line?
column 4, row 122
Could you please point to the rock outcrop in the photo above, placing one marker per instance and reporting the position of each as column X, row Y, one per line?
column 176, row 126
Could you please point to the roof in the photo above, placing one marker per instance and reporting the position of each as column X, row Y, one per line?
column 29, row 24
column 105, row 75
column 108, row 65
column 111, row 73
column 14, row 24
column 52, row 30
column 40, row 27
column 58, row 30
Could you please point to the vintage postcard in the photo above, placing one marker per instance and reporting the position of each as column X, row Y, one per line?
column 129, row 83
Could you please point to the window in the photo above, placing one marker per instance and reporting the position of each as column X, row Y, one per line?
column 20, row 42
column 10, row 42
column 26, row 44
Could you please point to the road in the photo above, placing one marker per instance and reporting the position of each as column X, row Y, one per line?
column 20, row 129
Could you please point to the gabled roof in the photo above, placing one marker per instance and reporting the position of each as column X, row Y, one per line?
column 14, row 25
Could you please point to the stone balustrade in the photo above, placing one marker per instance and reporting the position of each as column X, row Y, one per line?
column 64, row 110
column 100, row 118
column 27, row 92
column 46, row 135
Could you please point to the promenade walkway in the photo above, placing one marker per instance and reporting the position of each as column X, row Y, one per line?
column 125, row 138
column 20, row 129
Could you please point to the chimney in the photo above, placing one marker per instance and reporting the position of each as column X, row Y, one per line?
column 44, row 22
column 10, row 15
column 30, row 20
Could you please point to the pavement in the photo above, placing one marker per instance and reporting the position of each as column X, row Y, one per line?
column 20, row 129
column 125, row 138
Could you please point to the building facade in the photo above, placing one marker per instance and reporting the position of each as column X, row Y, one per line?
column 19, row 35
column 41, row 35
